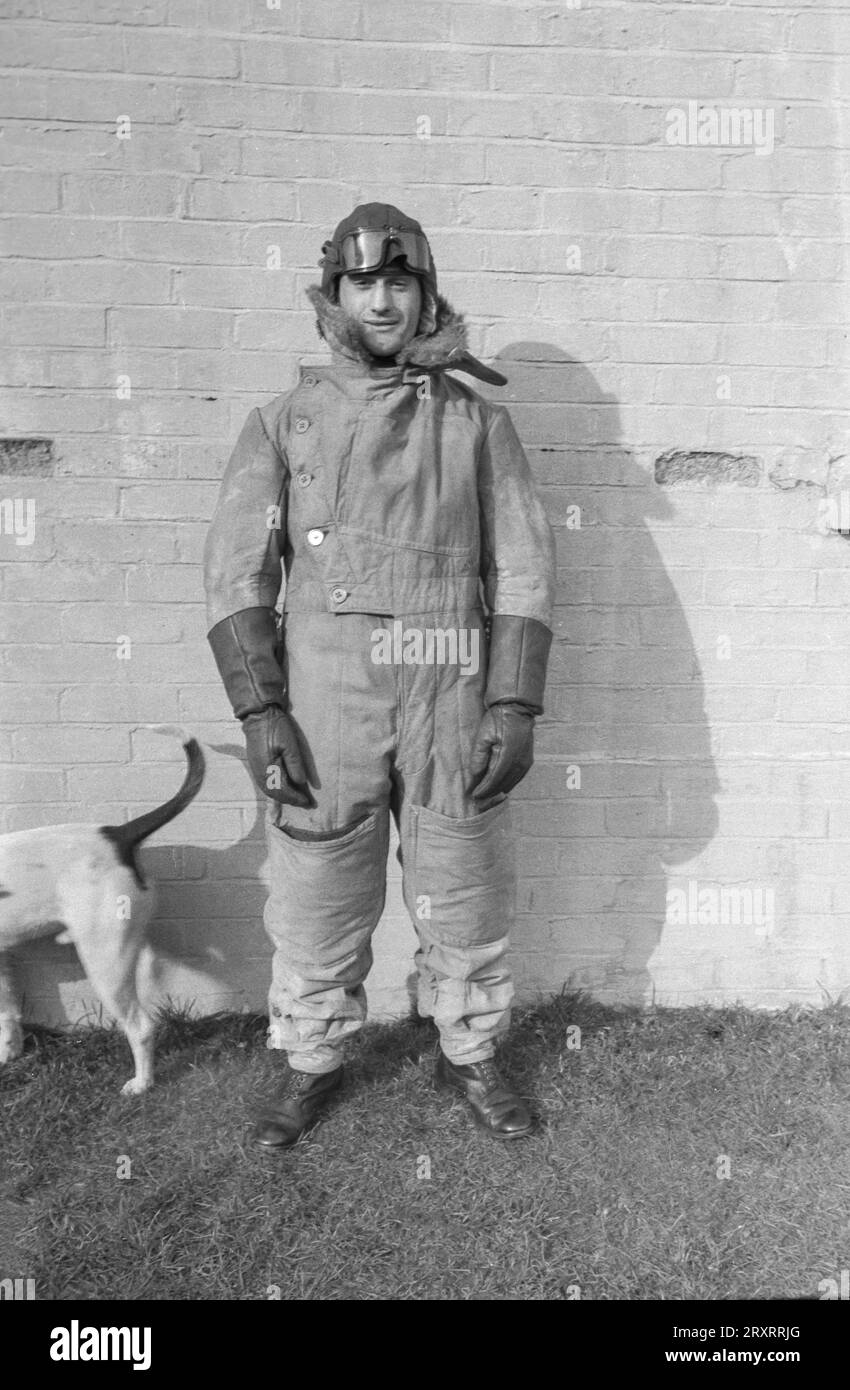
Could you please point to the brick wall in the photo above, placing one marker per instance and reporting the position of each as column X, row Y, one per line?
column 672, row 308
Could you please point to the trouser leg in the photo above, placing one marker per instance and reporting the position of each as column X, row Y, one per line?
column 327, row 864
column 325, row 901
column 457, row 861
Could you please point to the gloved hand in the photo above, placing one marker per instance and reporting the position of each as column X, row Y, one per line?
column 504, row 750
column 274, row 756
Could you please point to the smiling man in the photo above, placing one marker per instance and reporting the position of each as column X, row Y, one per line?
column 394, row 498
column 386, row 303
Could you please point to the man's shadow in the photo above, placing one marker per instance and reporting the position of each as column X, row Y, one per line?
column 624, row 784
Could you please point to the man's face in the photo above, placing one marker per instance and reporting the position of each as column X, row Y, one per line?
column 386, row 304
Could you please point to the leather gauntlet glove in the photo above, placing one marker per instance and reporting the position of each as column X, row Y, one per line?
column 504, row 750
column 274, row 757
column 246, row 650
column 516, row 674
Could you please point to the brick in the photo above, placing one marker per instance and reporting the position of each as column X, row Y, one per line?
column 117, row 282
column 239, row 288
column 705, row 300
column 200, row 413
column 100, row 371
column 193, row 55
column 704, row 215
column 121, row 541
column 822, row 705
column 517, row 165
column 780, row 346
column 228, row 16
column 21, row 785
column 776, row 587
column 429, row 23
column 816, row 215
column 299, row 62
column 751, row 32
column 69, row 46
column 240, row 199
column 191, row 540
column 225, row 372
column 54, row 325
column 156, row 584
column 293, row 159
column 97, row 11
column 30, row 192
column 59, row 238
column 125, row 458
column 171, row 501
column 121, row 195
column 79, row 98
column 664, row 257
column 182, row 243
column 97, row 622
column 220, row 106
column 168, row 327
column 79, row 744
column 118, row 704
column 811, row 34
column 445, row 69
column 23, row 281
column 667, row 343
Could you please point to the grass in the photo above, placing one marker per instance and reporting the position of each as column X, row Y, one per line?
column 619, row 1194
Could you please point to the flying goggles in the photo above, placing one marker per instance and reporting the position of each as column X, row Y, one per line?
column 369, row 248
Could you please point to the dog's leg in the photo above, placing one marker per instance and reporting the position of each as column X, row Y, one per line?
column 11, row 1032
column 109, row 941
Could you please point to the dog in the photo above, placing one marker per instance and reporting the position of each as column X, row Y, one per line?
column 82, row 884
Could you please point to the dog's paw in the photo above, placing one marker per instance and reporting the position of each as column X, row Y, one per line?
column 135, row 1086
column 11, row 1040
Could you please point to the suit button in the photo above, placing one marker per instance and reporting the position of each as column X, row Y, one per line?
column 301, row 425
column 309, row 381
column 339, row 595
column 315, row 537
column 304, row 479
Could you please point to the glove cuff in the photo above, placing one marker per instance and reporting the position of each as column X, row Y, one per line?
column 519, row 651
column 247, row 653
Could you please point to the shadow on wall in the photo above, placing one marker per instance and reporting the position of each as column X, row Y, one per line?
column 625, row 784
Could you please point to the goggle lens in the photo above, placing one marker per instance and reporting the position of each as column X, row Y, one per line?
column 367, row 250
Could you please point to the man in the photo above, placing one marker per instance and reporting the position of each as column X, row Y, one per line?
column 401, row 507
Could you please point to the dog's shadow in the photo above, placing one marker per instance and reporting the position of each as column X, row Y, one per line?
column 211, row 951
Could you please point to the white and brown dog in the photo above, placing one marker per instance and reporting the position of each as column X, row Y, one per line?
column 81, row 883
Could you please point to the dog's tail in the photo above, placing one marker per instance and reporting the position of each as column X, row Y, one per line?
column 126, row 838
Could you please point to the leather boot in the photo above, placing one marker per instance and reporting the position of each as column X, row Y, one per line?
column 497, row 1108
column 289, row 1112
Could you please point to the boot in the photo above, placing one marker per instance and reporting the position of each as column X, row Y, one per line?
column 288, row 1113
column 497, row 1108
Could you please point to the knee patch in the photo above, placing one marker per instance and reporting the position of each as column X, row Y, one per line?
column 462, row 876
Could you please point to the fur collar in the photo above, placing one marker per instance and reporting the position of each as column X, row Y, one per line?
column 442, row 347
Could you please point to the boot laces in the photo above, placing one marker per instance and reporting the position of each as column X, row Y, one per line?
column 490, row 1074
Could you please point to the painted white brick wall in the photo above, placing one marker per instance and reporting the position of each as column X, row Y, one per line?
column 673, row 319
